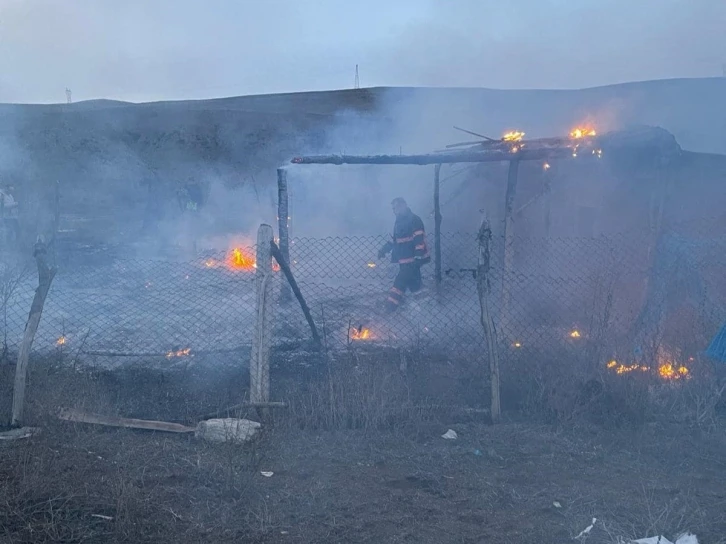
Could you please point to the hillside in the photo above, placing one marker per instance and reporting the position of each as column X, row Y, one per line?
column 104, row 152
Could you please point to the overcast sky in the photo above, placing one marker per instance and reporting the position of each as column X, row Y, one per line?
column 141, row 50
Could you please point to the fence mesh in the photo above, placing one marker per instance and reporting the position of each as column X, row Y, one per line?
column 608, row 299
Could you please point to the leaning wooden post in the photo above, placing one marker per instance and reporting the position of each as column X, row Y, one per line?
column 508, row 245
column 283, row 224
column 484, row 290
column 437, row 225
column 262, row 336
column 547, row 187
column 45, row 278
column 277, row 254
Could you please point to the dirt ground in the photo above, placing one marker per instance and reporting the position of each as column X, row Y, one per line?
column 386, row 479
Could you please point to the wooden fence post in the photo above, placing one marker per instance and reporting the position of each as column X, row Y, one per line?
column 283, row 224
column 508, row 245
column 45, row 278
column 484, row 290
column 262, row 336
column 437, row 225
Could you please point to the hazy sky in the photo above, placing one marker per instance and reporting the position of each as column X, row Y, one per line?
column 143, row 50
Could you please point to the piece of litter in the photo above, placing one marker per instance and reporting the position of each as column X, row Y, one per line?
column 101, row 516
column 587, row 529
column 267, row 474
column 653, row 540
column 450, row 435
column 556, row 504
column 284, row 533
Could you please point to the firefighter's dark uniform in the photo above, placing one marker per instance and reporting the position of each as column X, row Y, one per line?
column 409, row 250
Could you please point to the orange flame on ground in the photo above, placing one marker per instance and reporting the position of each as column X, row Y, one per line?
column 666, row 371
column 241, row 260
column 582, row 132
column 360, row 333
column 179, row 353
column 575, row 334
column 61, row 341
column 238, row 258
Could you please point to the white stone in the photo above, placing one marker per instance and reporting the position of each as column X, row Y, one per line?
column 227, row 430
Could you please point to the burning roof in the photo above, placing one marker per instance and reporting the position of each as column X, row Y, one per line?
column 581, row 141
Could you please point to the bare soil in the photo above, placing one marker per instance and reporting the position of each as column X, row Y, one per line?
column 377, row 480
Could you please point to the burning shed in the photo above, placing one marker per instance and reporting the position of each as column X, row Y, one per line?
column 551, row 201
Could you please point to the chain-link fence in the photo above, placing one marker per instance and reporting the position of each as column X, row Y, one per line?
column 622, row 302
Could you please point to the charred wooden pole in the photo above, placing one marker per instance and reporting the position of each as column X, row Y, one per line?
column 508, row 245
column 283, row 223
column 262, row 336
column 277, row 254
column 547, row 201
column 45, row 278
column 502, row 153
column 437, row 224
column 652, row 314
column 484, row 290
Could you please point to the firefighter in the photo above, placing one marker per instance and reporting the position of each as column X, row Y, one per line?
column 408, row 249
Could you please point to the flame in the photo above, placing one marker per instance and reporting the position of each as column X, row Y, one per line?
column 179, row 353
column 669, row 371
column 360, row 333
column 546, row 166
column 582, row 132
column 371, row 265
column 666, row 371
column 513, row 136
column 575, row 334
column 240, row 259
column 517, row 345
column 61, row 341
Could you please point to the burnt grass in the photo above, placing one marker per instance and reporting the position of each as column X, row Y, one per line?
column 357, row 456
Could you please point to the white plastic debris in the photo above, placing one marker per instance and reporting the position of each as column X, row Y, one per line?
column 450, row 435
column 685, row 538
column 587, row 529
column 556, row 504
column 267, row 474
column 227, row 430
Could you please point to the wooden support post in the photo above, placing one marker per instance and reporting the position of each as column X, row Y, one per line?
column 283, row 223
column 262, row 336
column 45, row 278
column 547, row 201
column 648, row 325
column 277, row 254
column 437, row 225
column 508, row 245
column 487, row 323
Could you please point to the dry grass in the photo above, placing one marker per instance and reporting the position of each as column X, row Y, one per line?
column 357, row 457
